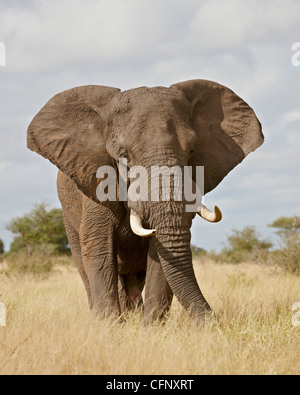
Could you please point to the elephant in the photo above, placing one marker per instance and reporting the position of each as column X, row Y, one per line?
column 121, row 247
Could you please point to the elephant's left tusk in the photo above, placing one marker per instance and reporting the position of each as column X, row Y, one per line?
column 137, row 227
column 210, row 216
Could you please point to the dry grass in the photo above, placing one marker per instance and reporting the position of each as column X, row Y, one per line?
column 50, row 331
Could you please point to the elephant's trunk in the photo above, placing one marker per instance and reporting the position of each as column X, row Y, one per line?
column 172, row 243
column 176, row 259
column 169, row 224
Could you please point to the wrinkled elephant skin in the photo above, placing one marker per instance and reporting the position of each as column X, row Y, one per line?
column 192, row 123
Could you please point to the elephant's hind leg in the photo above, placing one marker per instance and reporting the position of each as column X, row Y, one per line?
column 74, row 242
column 130, row 291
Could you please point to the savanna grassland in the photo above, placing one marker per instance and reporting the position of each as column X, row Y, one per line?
column 49, row 329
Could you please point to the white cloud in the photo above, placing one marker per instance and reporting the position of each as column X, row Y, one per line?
column 61, row 32
column 55, row 45
column 3, row 165
column 232, row 23
column 292, row 116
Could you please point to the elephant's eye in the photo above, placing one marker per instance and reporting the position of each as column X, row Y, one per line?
column 192, row 151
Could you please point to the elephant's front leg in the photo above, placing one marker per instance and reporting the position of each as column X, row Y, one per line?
column 99, row 260
column 104, row 286
column 158, row 294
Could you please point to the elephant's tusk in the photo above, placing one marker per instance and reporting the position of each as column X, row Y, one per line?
column 210, row 216
column 137, row 227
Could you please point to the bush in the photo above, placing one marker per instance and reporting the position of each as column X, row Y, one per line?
column 21, row 262
column 286, row 226
column 197, row 251
column 36, row 263
column 39, row 237
column 39, row 230
column 288, row 257
column 244, row 245
column 1, row 247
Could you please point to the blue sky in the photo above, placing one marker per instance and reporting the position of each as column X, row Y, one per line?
column 55, row 45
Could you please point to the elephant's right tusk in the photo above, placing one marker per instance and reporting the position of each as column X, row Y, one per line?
column 210, row 216
column 137, row 227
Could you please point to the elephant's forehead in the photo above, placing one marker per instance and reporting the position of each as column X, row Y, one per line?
column 146, row 100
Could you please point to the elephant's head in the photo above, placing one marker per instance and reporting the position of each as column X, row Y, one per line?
column 193, row 123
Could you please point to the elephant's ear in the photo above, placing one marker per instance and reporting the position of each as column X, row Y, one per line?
column 227, row 129
column 69, row 131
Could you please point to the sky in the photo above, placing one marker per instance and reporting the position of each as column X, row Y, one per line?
column 248, row 46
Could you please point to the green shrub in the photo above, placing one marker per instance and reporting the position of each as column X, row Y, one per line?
column 286, row 226
column 288, row 256
column 1, row 250
column 39, row 237
column 40, row 228
column 244, row 245
column 21, row 262
column 1, row 247
column 36, row 263
column 197, row 251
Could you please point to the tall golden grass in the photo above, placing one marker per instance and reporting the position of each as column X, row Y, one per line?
column 51, row 331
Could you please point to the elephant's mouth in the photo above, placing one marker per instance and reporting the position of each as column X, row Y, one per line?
column 139, row 230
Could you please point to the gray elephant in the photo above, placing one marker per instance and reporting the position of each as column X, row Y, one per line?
column 192, row 123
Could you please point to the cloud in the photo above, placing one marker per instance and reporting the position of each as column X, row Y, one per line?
column 231, row 24
column 55, row 45
column 292, row 116
column 59, row 33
